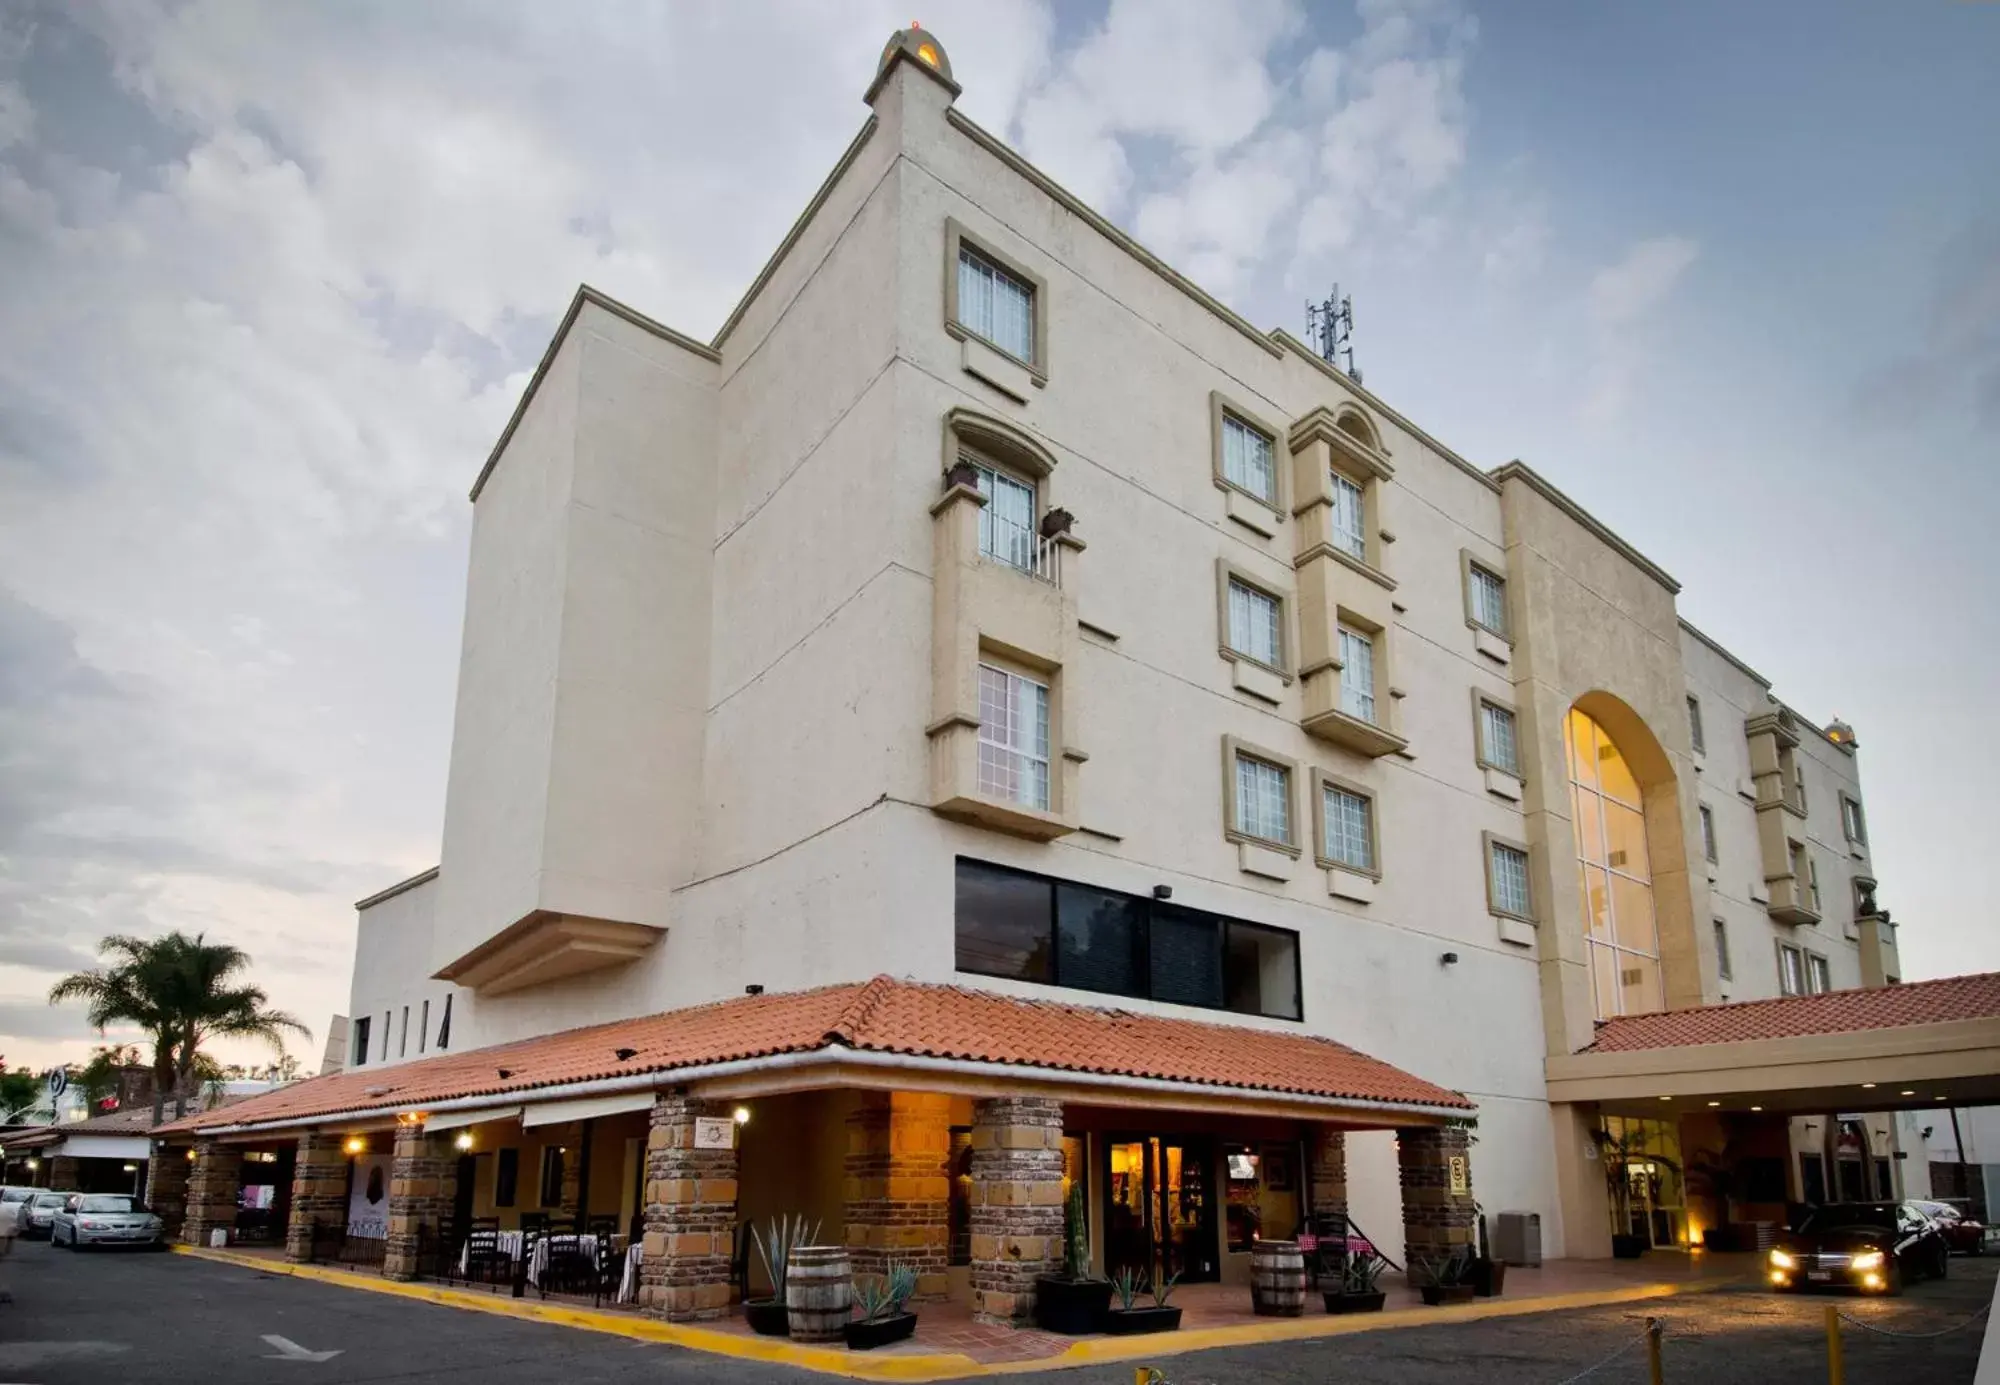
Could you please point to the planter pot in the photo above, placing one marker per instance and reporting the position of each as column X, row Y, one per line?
column 1057, row 521
column 962, row 474
column 879, row 1332
column 1355, row 1303
column 768, row 1317
column 1627, row 1247
column 1435, row 1294
column 1072, row 1307
column 1128, row 1322
column 1488, row 1277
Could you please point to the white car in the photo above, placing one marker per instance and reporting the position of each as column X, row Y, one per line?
column 41, row 1211
column 107, row 1219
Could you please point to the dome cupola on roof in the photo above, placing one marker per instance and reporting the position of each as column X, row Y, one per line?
column 918, row 43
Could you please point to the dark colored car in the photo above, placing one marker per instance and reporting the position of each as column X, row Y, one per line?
column 1961, row 1230
column 1875, row 1247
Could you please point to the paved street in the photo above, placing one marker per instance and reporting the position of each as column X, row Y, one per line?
column 141, row 1319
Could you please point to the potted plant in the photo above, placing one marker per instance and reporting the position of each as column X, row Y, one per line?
column 1073, row 1302
column 1359, row 1269
column 1131, row 1317
column 1057, row 521
column 961, row 473
column 768, row 1316
column 883, row 1320
column 1487, row 1275
column 1623, row 1154
column 1442, row 1278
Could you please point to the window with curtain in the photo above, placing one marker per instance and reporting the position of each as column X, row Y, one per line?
column 1007, row 520
column 1263, row 800
column 1253, row 624
column 1350, row 529
column 1357, row 674
column 1350, row 827
column 1489, row 599
column 995, row 305
column 1013, row 737
column 1509, row 867
column 1247, row 459
column 1498, row 744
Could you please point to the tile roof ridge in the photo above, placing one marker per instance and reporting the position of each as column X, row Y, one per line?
column 851, row 1026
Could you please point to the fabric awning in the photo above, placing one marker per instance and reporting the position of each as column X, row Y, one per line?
column 452, row 1120
column 584, row 1108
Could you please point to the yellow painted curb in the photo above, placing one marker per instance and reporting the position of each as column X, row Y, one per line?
column 953, row 1365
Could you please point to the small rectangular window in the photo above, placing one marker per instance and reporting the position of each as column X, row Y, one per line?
column 1707, row 832
column 1852, row 822
column 1791, row 971
column 1254, row 629
column 1100, row 940
column 995, row 305
column 1184, row 957
column 1263, row 800
column 361, row 1027
column 1489, row 599
column 1819, row 976
column 444, row 1025
column 1722, row 966
column 552, row 1176
column 1350, row 517
column 1013, row 738
column 1004, row 924
column 1509, row 875
column 1812, row 883
column 424, row 1028
column 506, row 1177
column 1695, row 736
column 1498, row 744
column 403, row 1043
column 1357, row 674
column 1260, row 968
column 1350, row 827
column 1247, row 459
column 1007, row 521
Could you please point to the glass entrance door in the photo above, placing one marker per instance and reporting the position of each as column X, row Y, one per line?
column 1160, row 1206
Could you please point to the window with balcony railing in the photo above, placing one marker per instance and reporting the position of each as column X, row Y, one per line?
column 1357, row 674
column 1008, row 531
column 1013, row 738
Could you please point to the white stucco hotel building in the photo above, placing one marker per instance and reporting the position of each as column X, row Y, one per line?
column 989, row 609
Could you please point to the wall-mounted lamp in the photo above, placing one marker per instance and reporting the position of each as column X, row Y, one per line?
column 1163, row 891
column 131, row 1168
column 741, row 1115
column 355, row 1144
column 464, row 1141
column 1449, row 959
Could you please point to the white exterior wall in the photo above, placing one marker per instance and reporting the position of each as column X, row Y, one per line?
column 392, row 979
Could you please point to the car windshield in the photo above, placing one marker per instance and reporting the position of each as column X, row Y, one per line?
column 51, row 1199
column 16, row 1194
column 1849, row 1217
column 105, row 1204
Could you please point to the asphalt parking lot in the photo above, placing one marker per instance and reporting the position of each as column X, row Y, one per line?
column 137, row 1319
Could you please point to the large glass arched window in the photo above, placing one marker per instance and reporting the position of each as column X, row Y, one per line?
column 1621, row 934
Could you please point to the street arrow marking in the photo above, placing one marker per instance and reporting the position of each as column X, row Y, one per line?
column 289, row 1350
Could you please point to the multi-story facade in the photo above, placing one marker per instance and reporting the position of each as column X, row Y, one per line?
column 986, row 605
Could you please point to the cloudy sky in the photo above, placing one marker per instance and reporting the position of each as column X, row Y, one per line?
column 271, row 277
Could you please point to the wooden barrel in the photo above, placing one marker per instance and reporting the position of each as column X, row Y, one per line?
column 1278, row 1279
column 819, row 1293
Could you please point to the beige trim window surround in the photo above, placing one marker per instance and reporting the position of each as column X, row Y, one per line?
column 1359, row 695
column 1345, row 827
column 1014, row 721
column 1496, row 734
column 1708, row 850
column 1248, row 454
column 1257, row 797
column 995, row 299
column 1485, row 595
column 1255, row 619
column 1509, row 881
column 1852, row 823
column 1697, row 739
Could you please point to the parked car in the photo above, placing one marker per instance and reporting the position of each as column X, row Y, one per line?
column 42, row 1211
column 103, row 1219
column 1961, row 1230
column 14, row 1193
column 1876, row 1247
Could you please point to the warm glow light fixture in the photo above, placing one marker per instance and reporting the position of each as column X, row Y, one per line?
column 355, row 1144
column 742, row 1115
column 1909, row 1091
column 464, row 1140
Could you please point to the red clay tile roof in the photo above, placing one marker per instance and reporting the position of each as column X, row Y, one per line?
column 1792, row 1017
column 883, row 1016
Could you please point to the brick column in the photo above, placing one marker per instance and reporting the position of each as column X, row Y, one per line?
column 1017, row 1203
column 167, row 1185
column 423, row 1175
column 1329, row 1169
column 690, row 1215
column 63, row 1173
column 898, row 1186
column 319, row 1191
column 214, row 1185
column 1436, row 1220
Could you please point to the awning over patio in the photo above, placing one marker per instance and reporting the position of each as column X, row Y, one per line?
column 881, row 1033
column 1884, row 1048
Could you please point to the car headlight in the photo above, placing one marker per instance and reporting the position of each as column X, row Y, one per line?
column 1781, row 1261
column 91, row 1225
column 1867, row 1260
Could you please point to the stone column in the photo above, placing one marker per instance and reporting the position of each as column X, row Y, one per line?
column 423, row 1175
column 898, row 1186
column 214, row 1186
column 1017, row 1203
column 319, row 1191
column 1436, row 1220
column 63, row 1173
column 572, row 1171
column 1329, row 1169
column 690, row 1214
column 167, row 1184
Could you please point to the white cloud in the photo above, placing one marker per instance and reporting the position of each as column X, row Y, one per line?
column 1622, row 293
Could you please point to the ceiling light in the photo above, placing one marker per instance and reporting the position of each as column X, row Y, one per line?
column 1756, row 1108
column 1908, row 1091
column 1666, row 1098
column 1714, row 1103
column 1867, row 1086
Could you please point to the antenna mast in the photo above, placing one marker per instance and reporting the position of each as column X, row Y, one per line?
column 1330, row 328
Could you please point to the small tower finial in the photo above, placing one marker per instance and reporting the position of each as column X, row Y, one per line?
column 921, row 46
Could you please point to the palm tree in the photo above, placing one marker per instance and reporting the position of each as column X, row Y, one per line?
column 184, row 992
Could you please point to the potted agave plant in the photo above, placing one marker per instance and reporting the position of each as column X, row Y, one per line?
column 1131, row 1317
column 1073, row 1302
column 768, row 1316
column 1443, row 1278
column 881, row 1299
column 1360, row 1267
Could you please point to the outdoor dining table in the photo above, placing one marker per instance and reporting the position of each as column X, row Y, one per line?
column 628, row 1286
column 508, row 1243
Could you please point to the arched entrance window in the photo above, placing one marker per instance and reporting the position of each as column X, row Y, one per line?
column 1621, row 932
